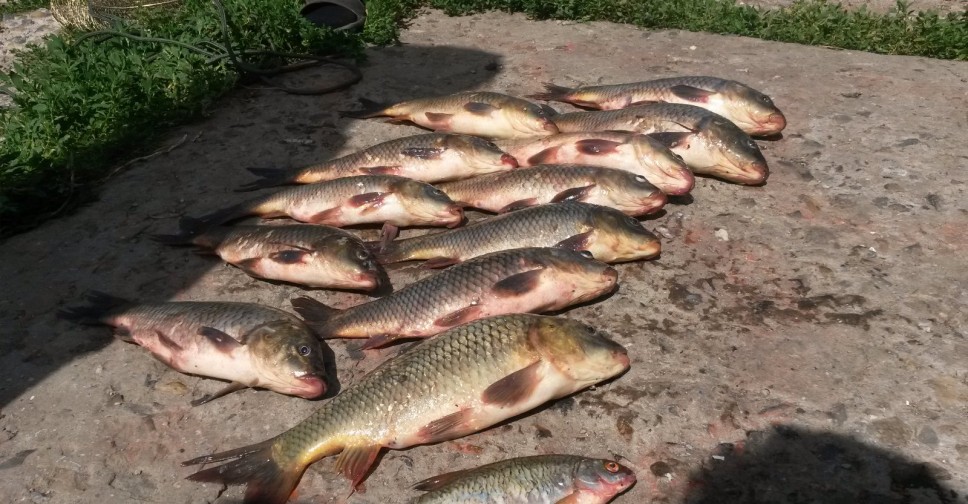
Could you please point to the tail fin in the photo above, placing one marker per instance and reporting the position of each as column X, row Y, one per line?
column 191, row 228
column 553, row 93
column 316, row 314
column 173, row 239
column 370, row 109
column 269, row 177
column 99, row 305
column 267, row 482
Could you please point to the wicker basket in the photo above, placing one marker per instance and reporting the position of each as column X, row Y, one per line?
column 98, row 14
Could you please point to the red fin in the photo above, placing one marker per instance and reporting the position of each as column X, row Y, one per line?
column 355, row 462
column 439, row 120
column 223, row 342
column 168, row 342
column 288, row 256
column 439, row 262
column 553, row 93
column 249, row 264
column 435, row 482
column 574, row 498
column 380, row 170
column 231, row 387
column 513, row 388
column 399, row 120
column 518, row 205
column 388, row 234
column 692, row 94
column 369, row 202
column 479, row 108
column 672, row 139
column 267, row 482
column 423, row 152
column 643, row 102
column 451, row 426
column 377, row 341
column 459, row 317
column 573, row 194
column 516, row 285
column 596, row 146
column 578, row 242
column 326, row 216
column 315, row 314
column 546, row 156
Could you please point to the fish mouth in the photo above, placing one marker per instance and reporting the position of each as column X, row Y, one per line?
column 550, row 126
column 454, row 216
column 610, row 275
column 772, row 125
column 649, row 249
column 676, row 181
column 367, row 280
column 753, row 173
column 653, row 203
column 621, row 356
column 509, row 160
column 309, row 386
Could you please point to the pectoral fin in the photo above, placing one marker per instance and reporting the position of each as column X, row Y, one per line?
column 573, row 194
column 438, row 481
column 513, row 388
column 478, row 108
column 516, row 285
column 232, row 387
column 577, row 242
column 439, row 120
column 326, row 216
column 380, row 170
column 673, row 139
column 596, row 146
column 440, row 262
column 517, row 205
column 459, row 317
column 423, row 152
column 220, row 340
column 692, row 94
column 289, row 256
column 369, row 202
column 355, row 462
column 448, row 427
column 377, row 341
column 546, row 156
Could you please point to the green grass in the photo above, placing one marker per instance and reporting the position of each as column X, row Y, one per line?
column 83, row 108
column 15, row 6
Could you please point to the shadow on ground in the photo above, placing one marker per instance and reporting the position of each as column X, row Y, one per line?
column 105, row 245
column 792, row 465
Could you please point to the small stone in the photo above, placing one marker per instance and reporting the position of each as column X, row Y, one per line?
column 661, row 469
column 890, row 431
column 838, row 414
column 722, row 234
column 927, row 436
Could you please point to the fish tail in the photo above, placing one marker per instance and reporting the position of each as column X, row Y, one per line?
column 553, row 92
column 99, row 305
column 190, row 228
column 370, row 109
column 267, row 481
column 317, row 315
column 269, row 177
column 173, row 239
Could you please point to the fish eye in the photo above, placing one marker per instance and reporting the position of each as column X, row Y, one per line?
column 586, row 254
column 632, row 221
column 305, row 351
column 362, row 254
column 611, row 467
column 436, row 192
column 766, row 99
column 640, row 179
column 750, row 143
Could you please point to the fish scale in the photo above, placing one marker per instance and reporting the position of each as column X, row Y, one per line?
column 651, row 118
column 233, row 318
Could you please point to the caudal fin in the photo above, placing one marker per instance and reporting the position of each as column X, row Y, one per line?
column 269, row 177
column 190, row 229
column 370, row 109
column 99, row 305
column 553, row 92
column 316, row 314
column 267, row 482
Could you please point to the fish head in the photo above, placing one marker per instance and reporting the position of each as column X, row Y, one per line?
column 586, row 277
column 288, row 358
column 751, row 110
column 727, row 152
column 528, row 119
column 620, row 237
column 350, row 265
column 428, row 205
column 630, row 192
column 578, row 351
column 602, row 479
column 481, row 154
column 669, row 171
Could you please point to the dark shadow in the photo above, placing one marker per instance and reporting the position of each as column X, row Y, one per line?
column 769, row 138
column 792, row 465
column 106, row 246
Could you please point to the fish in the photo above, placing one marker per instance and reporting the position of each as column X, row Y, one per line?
column 432, row 157
column 510, row 281
column 311, row 255
column 608, row 234
column 708, row 143
column 638, row 154
column 754, row 112
column 463, row 381
column 389, row 199
column 530, row 480
column 503, row 192
column 479, row 113
column 247, row 344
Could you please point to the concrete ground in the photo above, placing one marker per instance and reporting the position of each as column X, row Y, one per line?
column 804, row 341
